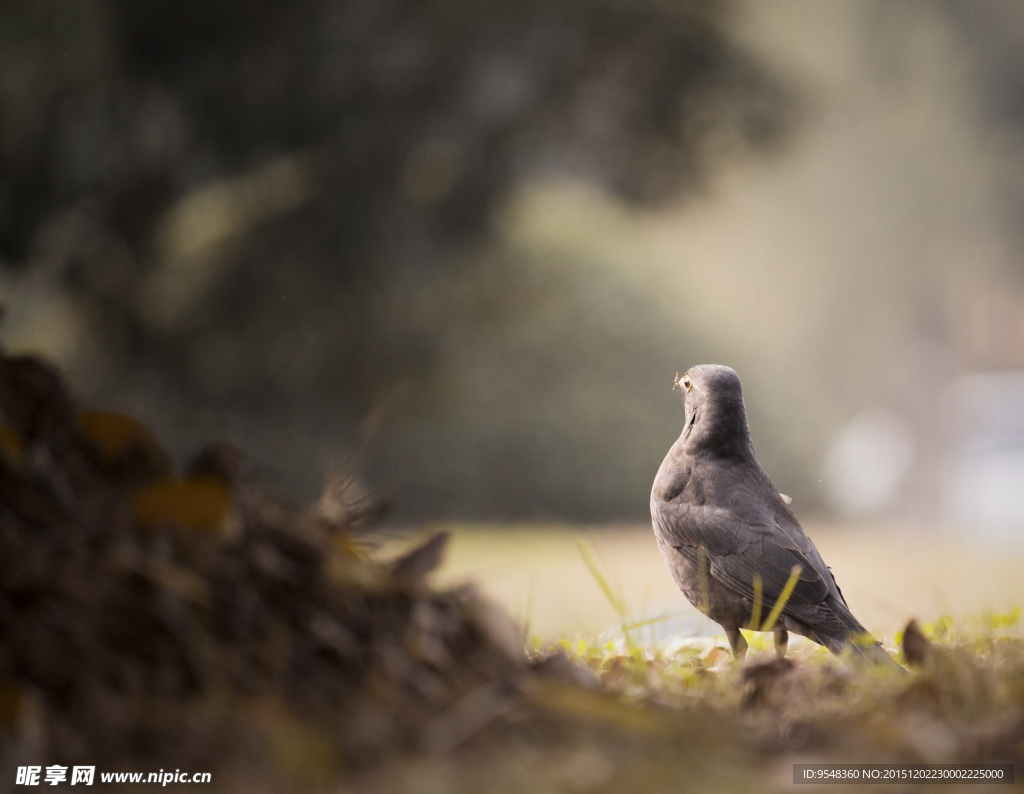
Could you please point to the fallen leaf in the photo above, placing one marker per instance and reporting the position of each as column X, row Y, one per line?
column 115, row 434
column 198, row 502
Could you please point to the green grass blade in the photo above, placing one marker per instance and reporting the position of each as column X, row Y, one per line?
column 639, row 624
column 590, row 559
column 787, row 591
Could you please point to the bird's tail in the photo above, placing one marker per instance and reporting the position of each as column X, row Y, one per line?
column 862, row 646
column 869, row 651
column 876, row 654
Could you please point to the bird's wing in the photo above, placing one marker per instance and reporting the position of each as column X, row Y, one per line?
column 738, row 549
column 751, row 537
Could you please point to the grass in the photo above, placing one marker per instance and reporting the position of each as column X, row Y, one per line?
column 964, row 704
column 627, row 665
column 670, row 714
column 681, row 716
column 992, row 638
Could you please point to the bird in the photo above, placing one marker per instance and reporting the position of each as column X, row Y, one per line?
column 729, row 538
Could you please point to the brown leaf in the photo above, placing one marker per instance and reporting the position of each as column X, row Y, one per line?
column 916, row 646
column 423, row 559
column 114, row 433
column 197, row 502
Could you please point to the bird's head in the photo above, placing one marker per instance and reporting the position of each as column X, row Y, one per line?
column 716, row 420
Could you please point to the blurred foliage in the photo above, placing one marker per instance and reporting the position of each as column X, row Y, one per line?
column 282, row 214
column 147, row 616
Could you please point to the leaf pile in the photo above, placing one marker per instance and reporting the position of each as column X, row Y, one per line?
column 183, row 621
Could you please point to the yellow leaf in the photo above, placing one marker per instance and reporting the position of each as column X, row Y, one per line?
column 199, row 502
column 115, row 433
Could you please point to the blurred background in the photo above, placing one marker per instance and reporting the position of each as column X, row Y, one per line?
column 462, row 249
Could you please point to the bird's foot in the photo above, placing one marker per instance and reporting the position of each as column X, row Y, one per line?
column 737, row 643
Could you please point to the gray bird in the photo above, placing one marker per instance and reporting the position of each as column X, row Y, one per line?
column 725, row 530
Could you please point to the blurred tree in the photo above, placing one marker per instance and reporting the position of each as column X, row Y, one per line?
column 280, row 213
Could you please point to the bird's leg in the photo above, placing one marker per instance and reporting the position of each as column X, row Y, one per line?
column 736, row 642
column 781, row 641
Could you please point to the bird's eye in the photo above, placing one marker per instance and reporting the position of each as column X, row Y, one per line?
column 687, row 382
